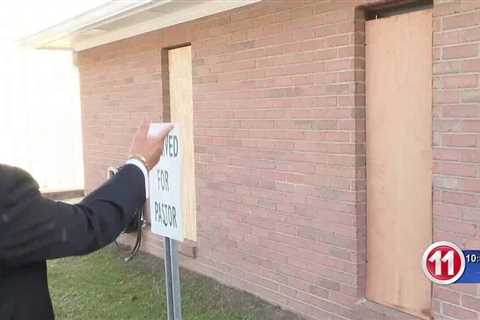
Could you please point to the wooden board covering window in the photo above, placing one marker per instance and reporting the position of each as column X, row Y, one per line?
column 399, row 159
column 181, row 112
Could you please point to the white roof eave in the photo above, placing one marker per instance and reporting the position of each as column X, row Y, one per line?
column 85, row 31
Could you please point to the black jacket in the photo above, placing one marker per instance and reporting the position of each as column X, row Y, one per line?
column 34, row 229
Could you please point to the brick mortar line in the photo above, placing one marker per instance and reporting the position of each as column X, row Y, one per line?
column 468, row 28
column 459, row 44
column 458, row 59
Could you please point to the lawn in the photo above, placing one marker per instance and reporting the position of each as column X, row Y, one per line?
column 102, row 286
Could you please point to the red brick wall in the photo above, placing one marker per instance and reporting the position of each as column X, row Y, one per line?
column 279, row 125
column 456, row 133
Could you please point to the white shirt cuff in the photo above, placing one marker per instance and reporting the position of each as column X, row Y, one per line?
column 142, row 167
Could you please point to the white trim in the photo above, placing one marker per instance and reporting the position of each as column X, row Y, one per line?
column 88, row 18
column 184, row 15
column 85, row 31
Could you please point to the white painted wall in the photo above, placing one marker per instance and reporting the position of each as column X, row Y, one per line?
column 40, row 119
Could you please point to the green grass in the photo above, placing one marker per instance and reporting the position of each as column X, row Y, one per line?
column 102, row 286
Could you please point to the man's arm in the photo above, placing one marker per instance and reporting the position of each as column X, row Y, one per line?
column 34, row 229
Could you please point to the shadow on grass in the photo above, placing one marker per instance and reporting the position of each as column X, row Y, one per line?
column 102, row 286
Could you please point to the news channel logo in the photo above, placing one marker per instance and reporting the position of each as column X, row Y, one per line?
column 444, row 263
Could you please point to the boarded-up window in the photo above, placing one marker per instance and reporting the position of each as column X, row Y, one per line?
column 181, row 112
column 399, row 159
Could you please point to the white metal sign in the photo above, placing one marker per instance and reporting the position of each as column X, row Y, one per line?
column 165, row 187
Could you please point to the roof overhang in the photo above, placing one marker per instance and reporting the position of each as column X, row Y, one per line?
column 116, row 20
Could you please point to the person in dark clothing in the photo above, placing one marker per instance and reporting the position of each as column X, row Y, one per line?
column 34, row 229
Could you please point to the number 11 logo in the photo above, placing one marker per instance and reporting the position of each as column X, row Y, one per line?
column 443, row 262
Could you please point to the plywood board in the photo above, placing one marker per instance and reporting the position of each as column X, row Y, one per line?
column 399, row 159
column 181, row 112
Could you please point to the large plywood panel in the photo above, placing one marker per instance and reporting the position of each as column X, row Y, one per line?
column 399, row 159
column 181, row 112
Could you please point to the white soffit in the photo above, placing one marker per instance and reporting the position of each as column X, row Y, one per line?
column 120, row 19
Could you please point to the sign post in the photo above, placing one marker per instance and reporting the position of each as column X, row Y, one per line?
column 172, row 280
column 165, row 185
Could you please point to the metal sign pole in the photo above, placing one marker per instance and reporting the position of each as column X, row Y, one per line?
column 172, row 280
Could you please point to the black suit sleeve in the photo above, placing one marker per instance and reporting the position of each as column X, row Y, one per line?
column 34, row 229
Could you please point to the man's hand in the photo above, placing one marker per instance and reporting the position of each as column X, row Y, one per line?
column 148, row 147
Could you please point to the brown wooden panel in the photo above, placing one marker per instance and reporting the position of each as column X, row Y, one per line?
column 181, row 112
column 399, row 159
